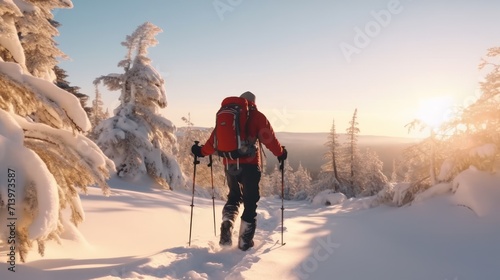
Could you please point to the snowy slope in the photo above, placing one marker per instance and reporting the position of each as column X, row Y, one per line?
column 142, row 233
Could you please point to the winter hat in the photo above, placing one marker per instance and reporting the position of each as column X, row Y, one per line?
column 248, row 96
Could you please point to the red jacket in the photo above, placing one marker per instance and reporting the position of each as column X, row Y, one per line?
column 260, row 129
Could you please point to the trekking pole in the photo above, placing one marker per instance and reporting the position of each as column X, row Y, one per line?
column 282, row 167
column 213, row 190
column 195, row 162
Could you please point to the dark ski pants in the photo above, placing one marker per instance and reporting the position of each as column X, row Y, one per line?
column 243, row 185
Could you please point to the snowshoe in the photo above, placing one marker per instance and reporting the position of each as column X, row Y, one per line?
column 247, row 231
column 226, row 231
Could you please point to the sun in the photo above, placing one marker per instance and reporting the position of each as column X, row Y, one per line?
column 434, row 111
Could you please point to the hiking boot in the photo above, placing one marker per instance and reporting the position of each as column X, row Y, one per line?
column 226, row 232
column 247, row 231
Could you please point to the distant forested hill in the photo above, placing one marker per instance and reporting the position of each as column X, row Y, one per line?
column 309, row 148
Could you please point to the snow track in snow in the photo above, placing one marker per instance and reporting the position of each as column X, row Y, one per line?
column 205, row 259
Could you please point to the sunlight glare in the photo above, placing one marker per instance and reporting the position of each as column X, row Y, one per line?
column 435, row 110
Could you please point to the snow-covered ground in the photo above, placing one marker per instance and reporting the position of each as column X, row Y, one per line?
column 142, row 233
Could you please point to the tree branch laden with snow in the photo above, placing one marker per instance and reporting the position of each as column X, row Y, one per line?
column 43, row 152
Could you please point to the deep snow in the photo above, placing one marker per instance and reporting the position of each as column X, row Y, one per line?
column 142, row 233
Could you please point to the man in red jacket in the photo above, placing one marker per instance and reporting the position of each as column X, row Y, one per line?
column 243, row 176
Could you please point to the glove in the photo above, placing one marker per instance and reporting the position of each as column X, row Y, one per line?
column 196, row 150
column 283, row 156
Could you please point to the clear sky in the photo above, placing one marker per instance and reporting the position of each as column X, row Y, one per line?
column 308, row 62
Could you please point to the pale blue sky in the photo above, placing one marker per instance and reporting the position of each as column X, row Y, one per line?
column 288, row 52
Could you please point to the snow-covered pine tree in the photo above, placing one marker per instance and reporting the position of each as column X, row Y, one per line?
column 289, row 180
column 137, row 138
column 420, row 161
column 37, row 29
column 97, row 113
column 352, row 132
column 186, row 137
column 266, row 188
column 483, row 116
column 65, row 85
column 351, row 165
column 489, row 102
column 329, row 175
column 10, row 44
column 274, row 181
column 44, row 157
column 302, row 183
column 432, row 143
column 416, row 166
column 394, row 174
column 371, row 179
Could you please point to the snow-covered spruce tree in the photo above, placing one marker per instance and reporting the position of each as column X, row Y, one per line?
column 290, row 187
column 302, row 183
column 350, row 165
column 266, row 188
column 371, row 179
column 37, row 29
column 137, row 138
column 352, row 132
column 329, row 175
column 421, row 158
column 186, row 137
column 416, row 167
column 10, row 45
column 489, row 102
column 433, row 142
column 44, row 157
column 97, row 113
column 289, row 181
column 273, row 183
column 65, row 85
column 394, row 172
